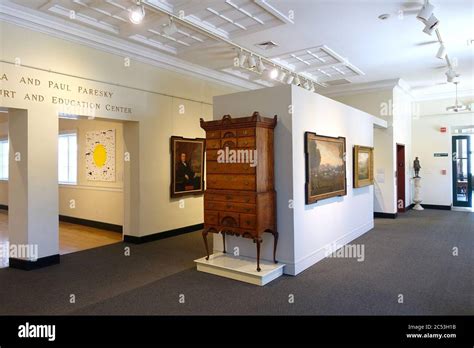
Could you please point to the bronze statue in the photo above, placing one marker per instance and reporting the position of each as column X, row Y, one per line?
column 417, row 167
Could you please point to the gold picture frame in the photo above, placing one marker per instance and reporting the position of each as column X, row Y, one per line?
column 325, row 167
column 363, row 166
column 187, row 166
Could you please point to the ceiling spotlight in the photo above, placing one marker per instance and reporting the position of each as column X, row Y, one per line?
column 282, row 76
column 297, row 81
column 274, row 73
column 431, row 24
column 252, row 62
column 260, row 66
column 242, row 58
column 170, row 28
column 136, row 13
column 290, row 79
column 452, row 75
column 441, row 52
column 425, row 12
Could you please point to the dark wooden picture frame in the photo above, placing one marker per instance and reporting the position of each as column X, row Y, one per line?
column 337, row 175
column 357, row 180
column 187, row 179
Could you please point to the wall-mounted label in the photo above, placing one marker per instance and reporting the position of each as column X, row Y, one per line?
column 440, row 154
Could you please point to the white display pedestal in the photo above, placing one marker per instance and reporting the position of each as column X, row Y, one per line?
column 240, row 268
column 417, row 198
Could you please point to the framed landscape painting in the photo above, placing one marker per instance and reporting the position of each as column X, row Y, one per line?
column 187, row 166
column 363, row 166
column 325, row 167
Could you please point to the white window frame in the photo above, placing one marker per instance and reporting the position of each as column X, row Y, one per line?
column 65, row 134
column 4, row 177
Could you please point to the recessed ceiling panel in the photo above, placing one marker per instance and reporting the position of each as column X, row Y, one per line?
column 320, row 62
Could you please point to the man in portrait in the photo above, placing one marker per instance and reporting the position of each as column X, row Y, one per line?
column 184, row 174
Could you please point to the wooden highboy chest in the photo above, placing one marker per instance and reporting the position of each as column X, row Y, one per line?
column 240, row 194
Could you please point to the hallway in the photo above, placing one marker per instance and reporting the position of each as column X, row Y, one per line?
column 72, row 237
column 410, row 256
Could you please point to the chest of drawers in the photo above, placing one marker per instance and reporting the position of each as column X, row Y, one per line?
column 240, row 197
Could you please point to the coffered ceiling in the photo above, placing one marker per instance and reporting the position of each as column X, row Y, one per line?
column 338, row 43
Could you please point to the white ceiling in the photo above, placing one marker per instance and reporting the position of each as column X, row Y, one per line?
column 365, row 49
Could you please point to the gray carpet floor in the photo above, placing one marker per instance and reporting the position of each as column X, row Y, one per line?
column 410, row 256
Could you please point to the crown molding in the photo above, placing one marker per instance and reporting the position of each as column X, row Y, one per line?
column 465, row 93
column 50, row 25
column 360, row 88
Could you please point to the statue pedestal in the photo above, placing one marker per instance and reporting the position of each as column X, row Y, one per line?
column 417, row 198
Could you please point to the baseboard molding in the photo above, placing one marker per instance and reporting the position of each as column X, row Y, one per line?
column 84, row 222
column 293, row 268
column 90, row 223
column 436, row 207
column 385, row 215
column 410, row 207
column 28, row 265
column 162, row 235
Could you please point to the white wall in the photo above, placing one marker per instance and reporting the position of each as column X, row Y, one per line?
column 335, row 220
column 380, row 104
column 402, row 134
column 394, row 105
column 154, row 95
column 427, row 140
column 305, row 230
column 94, row 200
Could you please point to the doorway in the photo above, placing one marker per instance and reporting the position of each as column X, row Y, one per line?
column 401, row 201
column 462, row 171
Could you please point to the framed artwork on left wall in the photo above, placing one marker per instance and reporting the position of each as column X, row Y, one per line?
column 187, row 166
column 325, row 167
column 363, row 166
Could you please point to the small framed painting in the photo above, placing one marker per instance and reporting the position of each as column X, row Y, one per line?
column 363, row 166
column 325, row 167
column 187, row 166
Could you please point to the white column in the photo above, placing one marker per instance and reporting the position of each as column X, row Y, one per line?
column 417, row 198
column 131, row 180
column 33, row 186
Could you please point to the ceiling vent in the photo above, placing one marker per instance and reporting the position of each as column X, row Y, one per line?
column 267, row 45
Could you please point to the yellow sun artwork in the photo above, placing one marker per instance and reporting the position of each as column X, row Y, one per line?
column 100, row 155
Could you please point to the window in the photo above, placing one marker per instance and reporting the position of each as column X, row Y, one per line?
column 3, row 159
column 67, row 158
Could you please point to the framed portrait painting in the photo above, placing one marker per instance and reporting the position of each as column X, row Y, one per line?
column 187, row 166
column 363, row 166
column 325, row 167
